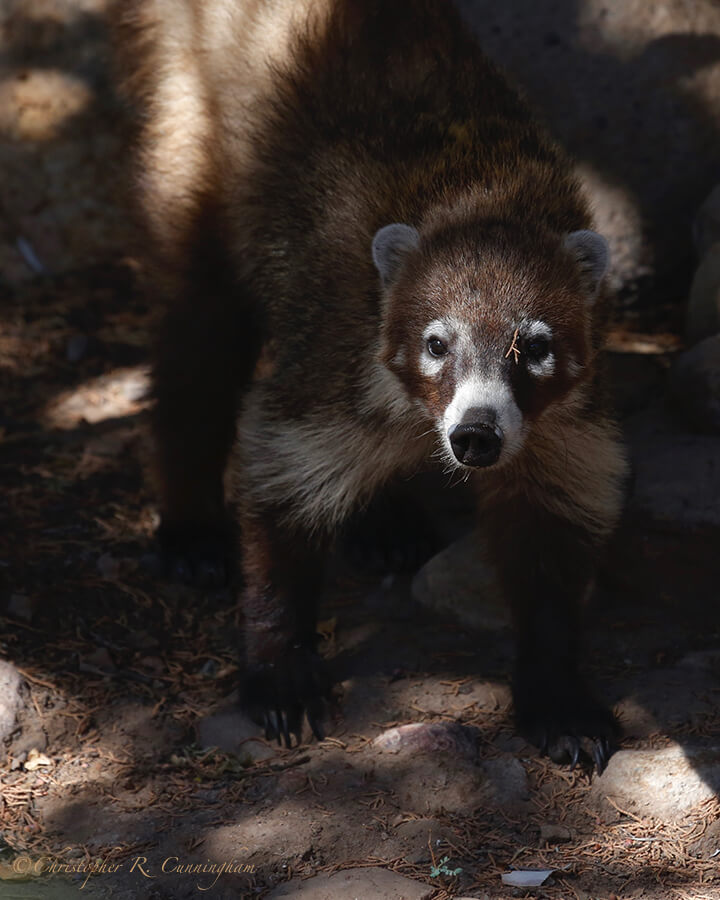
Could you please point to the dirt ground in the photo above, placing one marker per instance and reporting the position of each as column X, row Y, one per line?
column 128, row 746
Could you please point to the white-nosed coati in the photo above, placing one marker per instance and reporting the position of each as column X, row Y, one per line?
column 368, row 250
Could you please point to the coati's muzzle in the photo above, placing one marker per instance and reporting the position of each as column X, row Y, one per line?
column 476, row 445
column 477, row 441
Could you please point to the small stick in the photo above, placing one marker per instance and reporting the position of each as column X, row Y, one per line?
column 514, row 347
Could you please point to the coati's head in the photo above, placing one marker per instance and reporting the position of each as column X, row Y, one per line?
column 487, row 327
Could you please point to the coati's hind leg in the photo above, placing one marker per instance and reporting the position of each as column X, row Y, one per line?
column 547, row 535
column 285, row 678
column 206, row 350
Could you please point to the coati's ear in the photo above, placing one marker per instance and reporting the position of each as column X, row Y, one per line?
column 592, row 253
column 389, row 248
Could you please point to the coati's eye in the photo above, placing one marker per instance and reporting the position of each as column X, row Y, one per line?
column 436, row 347
column 537, row 348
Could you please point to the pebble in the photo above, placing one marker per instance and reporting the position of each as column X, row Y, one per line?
column 554, row 834
column 233, row 732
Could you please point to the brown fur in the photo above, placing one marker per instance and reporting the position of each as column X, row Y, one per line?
column 278, row 137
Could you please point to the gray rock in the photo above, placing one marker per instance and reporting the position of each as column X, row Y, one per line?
column 232, row 732
column 10, row 698
column 664, row 784
column 434, row 768
column 706, row 227
column 354, row 884
column 707, row 845
column 430, row 737
column 554, row 834
column 462, row 582
column 634, row 379
column 702, row 316
column 694, row 385
column 666, row 699
column 31, row 737
column 677, row 475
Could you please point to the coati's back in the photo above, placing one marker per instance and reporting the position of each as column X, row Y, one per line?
column 194, row 69
column 312, row 122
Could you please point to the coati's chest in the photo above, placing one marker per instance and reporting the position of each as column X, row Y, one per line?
column 324, row 463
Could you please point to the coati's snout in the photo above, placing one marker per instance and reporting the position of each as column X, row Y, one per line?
column 477, row 441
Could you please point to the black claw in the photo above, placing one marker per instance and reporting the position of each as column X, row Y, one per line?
column 285, row 730
column 601, row 754
column 575, row 756
column 273, row 728
column 543, row 743
column 280, row 694
column 315, row 727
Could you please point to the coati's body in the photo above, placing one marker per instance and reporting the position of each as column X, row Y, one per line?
column 280, row 140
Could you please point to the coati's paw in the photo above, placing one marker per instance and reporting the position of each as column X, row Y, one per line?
column 565, row 724
column 390, row 537
column 194, row 556
column 279, row 694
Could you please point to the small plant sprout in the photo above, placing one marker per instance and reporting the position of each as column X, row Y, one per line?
column 442, row 869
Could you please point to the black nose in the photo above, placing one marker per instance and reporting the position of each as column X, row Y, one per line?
column 476, row 445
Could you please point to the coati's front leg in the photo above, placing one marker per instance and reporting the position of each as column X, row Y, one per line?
column 547, row 535
column 285, row 677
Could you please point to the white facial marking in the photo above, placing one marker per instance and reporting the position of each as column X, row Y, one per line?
column 536, row 328
column 430, row 365
column 486, row 391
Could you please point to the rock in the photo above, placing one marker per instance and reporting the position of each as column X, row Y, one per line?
column 694, row 385
column 665, row 699
column 677, row 476
column 635, row 378
column 554, row 834
column 353, row 884
column 430, row 737
column 461, row 581
column 232, row 732
column 31, row 737
column 99, row 662
column 10, row 698
column 663, row 784
column 706, row 227
column 706, row 846
column 434, row 768
column 702, row 660
column 702, row 316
